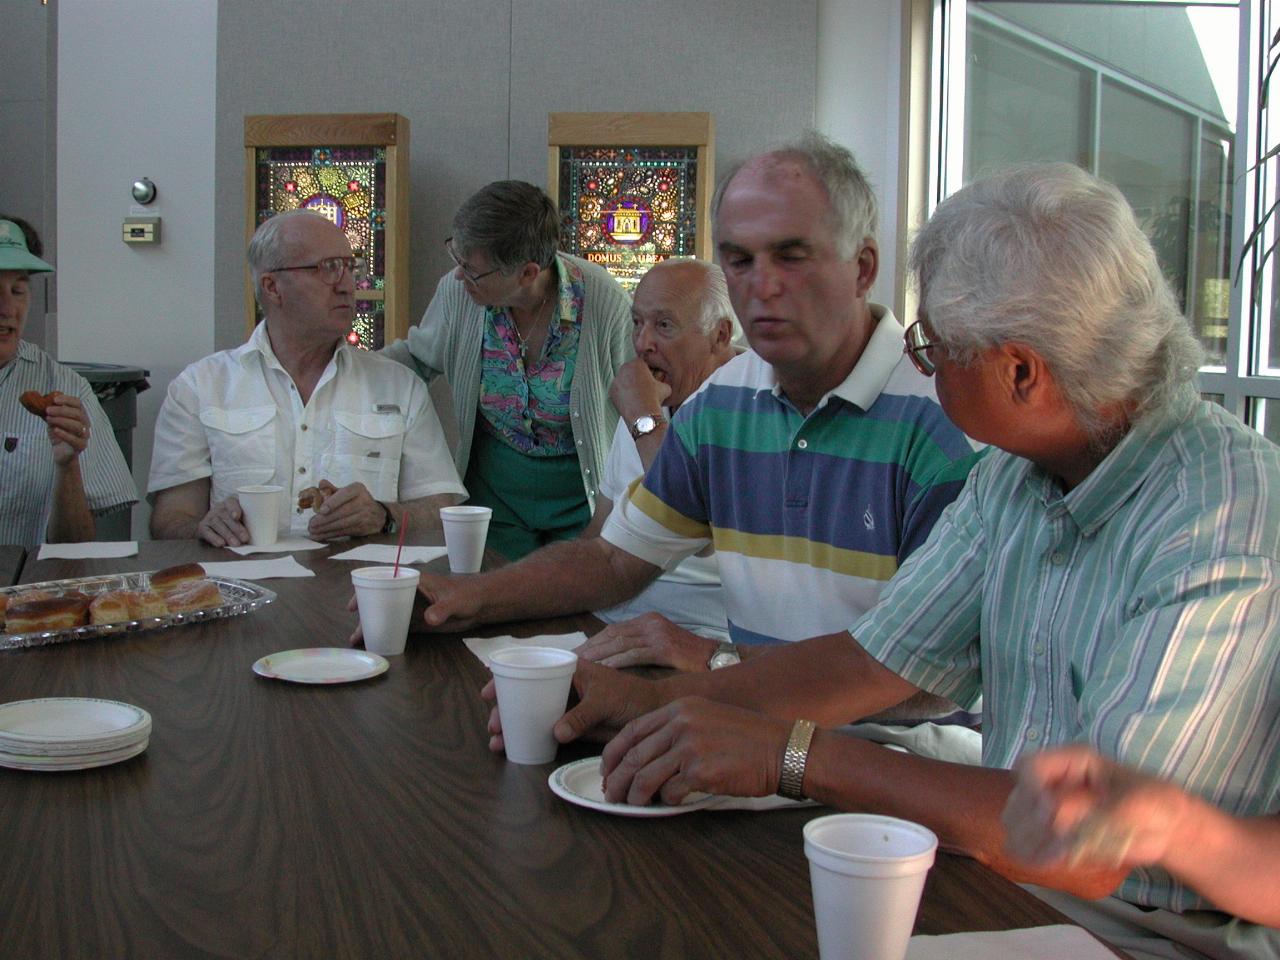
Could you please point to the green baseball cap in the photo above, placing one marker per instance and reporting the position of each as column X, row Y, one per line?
column 14, row 254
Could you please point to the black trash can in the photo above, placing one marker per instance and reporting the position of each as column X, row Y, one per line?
column 117, row 388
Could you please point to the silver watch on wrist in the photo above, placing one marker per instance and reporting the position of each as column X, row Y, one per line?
column 726, row 655
column 644, row 425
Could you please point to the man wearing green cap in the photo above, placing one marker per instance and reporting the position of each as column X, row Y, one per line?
column 61, row 469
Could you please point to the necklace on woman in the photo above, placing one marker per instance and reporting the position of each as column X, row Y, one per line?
column 537, row 320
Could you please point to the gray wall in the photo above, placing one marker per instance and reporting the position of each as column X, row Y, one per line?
column 27, row 181
column 476, row 78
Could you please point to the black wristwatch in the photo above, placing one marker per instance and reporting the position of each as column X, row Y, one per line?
column 392, row 525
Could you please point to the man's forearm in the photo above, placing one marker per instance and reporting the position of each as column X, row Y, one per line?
column 562, row 578
column 423, row 513
column 70, row 520
column 1229, row 860
column 830, row 680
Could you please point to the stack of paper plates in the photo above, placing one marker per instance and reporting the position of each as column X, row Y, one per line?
column 70, row 733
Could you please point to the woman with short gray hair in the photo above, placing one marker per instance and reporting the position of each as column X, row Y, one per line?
column 529, row 339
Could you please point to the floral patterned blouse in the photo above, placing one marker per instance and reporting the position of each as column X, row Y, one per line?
column 527, row 406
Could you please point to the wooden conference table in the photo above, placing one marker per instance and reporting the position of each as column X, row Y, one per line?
column 268, row 819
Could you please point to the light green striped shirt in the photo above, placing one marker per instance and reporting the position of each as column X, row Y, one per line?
column 1139, row 613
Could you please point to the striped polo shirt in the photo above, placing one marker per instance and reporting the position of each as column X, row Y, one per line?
column 1138, row 613
column 26, row 456
column 809, row 515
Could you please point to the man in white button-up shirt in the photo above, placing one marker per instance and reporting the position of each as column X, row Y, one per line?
column 298, row 407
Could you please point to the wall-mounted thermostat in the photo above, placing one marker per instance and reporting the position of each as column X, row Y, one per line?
column 141, row 230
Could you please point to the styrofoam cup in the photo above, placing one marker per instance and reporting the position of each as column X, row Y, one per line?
column 260, row 505
column 867, row 873
column 385, row 600
column 533, row 690
column 465, row 531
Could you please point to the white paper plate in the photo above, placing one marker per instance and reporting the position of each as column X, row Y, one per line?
column 321, row 665
column 580, row 782
column 75, row 724
column 86, row 761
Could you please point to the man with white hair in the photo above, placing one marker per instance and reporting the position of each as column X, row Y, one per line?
column 814, row 464
column 298, row 407
column 683, row 330
column 1110, row 575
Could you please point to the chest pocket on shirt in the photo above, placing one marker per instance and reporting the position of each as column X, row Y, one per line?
column 242, row 446
column 367, row 447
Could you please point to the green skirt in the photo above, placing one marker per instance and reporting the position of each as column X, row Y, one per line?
column 534, row 499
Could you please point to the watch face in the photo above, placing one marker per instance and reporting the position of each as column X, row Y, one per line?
column 643, row 425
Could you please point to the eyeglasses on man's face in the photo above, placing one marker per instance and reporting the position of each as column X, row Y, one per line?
column 466, row 271
column 331, row 269
column 917, row 347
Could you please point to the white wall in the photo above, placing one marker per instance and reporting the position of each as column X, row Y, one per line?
column 136, row 85
column 859, row 65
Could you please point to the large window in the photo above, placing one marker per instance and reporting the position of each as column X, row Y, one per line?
column 1147, row 95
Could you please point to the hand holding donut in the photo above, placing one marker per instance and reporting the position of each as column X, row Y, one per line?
column 67, row 419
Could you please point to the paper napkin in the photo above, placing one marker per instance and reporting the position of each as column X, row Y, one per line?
column 288, row 545
column 93, row 550
column 258, row 569
column 386, row 553
column 484, row 647
column 1034, row 943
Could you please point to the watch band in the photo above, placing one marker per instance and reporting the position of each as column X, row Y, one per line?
column 791, row 781
column 390, row 526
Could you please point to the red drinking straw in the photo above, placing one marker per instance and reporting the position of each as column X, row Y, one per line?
column 404, row 525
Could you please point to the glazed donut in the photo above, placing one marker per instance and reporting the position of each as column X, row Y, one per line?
column 167, row 579
column 38, row 403
column 192, row 596
column 54, row 613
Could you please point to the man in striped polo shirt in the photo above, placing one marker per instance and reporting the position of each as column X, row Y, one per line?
column 1110, row 576
column 815, row 463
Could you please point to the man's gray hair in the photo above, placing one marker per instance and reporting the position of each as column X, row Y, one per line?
column 852, row 205
column 269, row 246
column 513, row 222
column 713, row 295
column 1052, row 257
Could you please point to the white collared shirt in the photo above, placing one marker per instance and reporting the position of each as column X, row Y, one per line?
column 237, row 417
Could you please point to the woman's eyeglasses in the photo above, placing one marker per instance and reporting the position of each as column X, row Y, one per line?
column 466, row 271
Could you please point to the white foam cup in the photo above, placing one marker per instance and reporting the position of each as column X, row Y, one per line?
column 867, row 873
column 260, row 505
column 465, row 531
column 533, row 690
column 385, row 600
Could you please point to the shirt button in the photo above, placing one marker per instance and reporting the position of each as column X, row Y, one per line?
column 1059, row 559
column 302, row 469
column 803, row 444
column 579, row 443
column 1038, row 648
column 587, row 471
column 1033, row 734
column 304, row 428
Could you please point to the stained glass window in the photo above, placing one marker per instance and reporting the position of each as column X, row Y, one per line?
column 347, row 185
column 626, row 208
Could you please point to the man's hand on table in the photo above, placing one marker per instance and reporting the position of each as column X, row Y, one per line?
column 222, row 526
column 693, row 745
column 452, row 603
column 348, row 511
column 607, row 699
column 649, row 639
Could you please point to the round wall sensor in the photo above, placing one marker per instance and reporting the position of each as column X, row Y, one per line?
column 144, row 191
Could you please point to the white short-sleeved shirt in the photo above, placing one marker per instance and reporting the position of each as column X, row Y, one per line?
column 237, row 417
column 26, row 456
column 690, row 595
